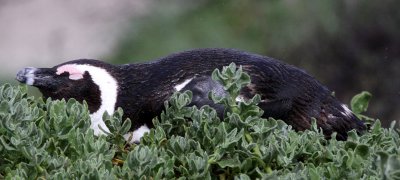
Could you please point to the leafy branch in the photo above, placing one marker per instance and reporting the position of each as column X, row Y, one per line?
column 46, row 139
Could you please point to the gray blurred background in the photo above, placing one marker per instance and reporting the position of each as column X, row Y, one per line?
column 349, row 45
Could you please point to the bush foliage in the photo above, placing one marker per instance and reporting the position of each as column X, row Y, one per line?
column 52, row 140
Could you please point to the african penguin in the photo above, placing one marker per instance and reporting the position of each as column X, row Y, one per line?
column 287, row 93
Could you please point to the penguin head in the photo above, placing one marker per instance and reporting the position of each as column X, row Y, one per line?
column 88, row 80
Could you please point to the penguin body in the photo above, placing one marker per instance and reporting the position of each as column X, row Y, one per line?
column 287, row 92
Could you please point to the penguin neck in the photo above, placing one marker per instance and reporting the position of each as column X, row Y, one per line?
column 108, row 88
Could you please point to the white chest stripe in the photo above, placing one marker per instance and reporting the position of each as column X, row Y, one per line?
column 180, row 86
column 134, row 137
column 108, row 93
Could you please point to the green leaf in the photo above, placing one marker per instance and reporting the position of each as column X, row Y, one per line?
column 362, row 150
column 359, row 103
column 125, row 126
column 4, row 107
column 5, row 145
column 314, row 174
column 242, row 177
column 229, row 162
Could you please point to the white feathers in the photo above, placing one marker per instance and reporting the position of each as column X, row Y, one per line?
column 108, row 91
column 134, row 137
column 239, row 99
column 347, row 112
column 74, row 72
column 30, row 76
column 180, row 86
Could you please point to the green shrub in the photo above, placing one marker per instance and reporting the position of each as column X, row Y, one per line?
column 52, row 140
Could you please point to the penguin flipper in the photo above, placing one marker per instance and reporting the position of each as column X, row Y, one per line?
column 201, row 87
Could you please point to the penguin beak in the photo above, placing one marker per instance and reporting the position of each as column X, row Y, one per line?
column 39, row 77
column 26, row 75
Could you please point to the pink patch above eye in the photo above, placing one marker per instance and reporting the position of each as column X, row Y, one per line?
column 74, row 73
